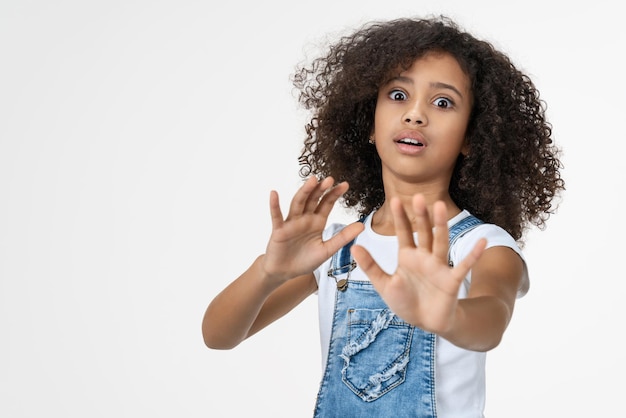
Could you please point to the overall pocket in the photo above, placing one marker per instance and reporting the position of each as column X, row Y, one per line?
column 376, row 354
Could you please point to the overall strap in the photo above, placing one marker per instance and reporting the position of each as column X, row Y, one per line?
column 459, row 229
column 343, row 263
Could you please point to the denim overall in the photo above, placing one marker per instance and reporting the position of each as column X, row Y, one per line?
column 378, row 365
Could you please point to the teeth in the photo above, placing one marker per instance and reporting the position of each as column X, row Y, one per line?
column 411, row 141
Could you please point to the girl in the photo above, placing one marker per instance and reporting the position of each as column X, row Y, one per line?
column 441, row 146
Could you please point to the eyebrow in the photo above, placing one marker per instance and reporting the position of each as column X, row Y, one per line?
column 435, row 84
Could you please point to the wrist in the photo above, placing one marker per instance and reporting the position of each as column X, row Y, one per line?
column 266, row 276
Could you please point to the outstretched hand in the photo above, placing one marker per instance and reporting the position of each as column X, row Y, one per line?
column 295, row 246
column 423, row 290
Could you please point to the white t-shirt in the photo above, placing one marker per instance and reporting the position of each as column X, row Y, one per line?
column 460, row 373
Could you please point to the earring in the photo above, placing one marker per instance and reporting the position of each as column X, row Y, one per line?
column 372, row 140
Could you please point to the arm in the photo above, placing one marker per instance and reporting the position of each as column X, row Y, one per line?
column 283, row 277
column 249, row 304
column 484, row 315
column 424, row 289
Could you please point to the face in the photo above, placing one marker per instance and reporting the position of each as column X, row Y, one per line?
column 421, row 118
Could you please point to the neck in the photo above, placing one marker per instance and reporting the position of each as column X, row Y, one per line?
column 382, row 221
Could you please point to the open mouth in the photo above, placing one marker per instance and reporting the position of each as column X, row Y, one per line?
column 410, row 141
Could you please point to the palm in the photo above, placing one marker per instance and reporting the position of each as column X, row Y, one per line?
column 423, row 289
column 295, row 246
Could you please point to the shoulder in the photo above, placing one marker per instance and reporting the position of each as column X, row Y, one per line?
column 468, row 236
column 496, row 236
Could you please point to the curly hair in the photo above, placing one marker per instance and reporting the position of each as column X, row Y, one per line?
column 512, row 171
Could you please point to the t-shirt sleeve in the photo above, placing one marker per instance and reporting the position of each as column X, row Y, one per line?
column 496, row 236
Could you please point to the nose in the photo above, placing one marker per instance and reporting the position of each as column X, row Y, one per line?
column 415, row 115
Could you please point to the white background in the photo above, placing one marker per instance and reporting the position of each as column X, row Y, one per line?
column 139, row 141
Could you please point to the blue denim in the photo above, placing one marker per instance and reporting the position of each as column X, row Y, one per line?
column 378, row 365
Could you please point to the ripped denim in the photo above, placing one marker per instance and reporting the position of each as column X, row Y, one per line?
column 378, row 365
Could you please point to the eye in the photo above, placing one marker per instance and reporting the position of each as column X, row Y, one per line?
column 397, row 95
column 443, row 103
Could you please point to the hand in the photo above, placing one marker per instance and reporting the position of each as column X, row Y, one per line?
column 423, row 290
column 296, row 246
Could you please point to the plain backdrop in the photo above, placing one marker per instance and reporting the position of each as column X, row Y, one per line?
column 139, row 141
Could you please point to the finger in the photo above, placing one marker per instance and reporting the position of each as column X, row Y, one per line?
column 275, row 213
column 402, row 224
column 323, row 187
column 422, row 222
column 329, row 199
column 364, row 260
column 300, row 199
column 343, row 237
column 441, row 241
column 470, row 260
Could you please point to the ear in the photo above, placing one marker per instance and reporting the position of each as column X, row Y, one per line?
column 465, row 148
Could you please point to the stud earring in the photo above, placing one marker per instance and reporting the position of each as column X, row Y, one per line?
column 372, row 140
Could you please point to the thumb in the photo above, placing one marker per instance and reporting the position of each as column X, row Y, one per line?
column 368, row 265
